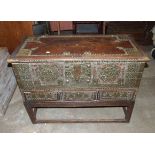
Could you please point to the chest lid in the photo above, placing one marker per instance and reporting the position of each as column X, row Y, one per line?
column 93, row 47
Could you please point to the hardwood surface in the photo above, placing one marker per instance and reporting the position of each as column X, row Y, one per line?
column 13, row 32
column 78, row 46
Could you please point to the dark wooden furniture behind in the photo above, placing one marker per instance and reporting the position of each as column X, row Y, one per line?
column 140, row 30
column 78, row 71
column 99, row 25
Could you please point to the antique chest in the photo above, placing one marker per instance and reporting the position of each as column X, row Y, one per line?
column 78, row 71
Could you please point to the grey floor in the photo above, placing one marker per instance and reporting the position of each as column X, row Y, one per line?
column 142, row 120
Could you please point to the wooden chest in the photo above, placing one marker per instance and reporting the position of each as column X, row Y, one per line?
column 78, row 71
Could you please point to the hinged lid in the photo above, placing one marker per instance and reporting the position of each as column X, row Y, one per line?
column 92, row 47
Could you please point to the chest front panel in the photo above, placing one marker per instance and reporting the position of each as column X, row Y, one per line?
column 78, row 74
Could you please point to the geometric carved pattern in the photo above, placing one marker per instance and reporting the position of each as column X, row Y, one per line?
column 110, row 73
column 80, row 96
column 48, row 74
column 117, row 95
column 77, row 73
column 82, row 74
column 34, row 96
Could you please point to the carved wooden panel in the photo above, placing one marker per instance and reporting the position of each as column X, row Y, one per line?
column 81, row 74
column 39, row 96
column 117, row 94
column 79, row 95
column 33, row 76
column 78, row 74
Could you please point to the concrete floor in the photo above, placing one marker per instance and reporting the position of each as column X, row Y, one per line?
column 142, row 120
